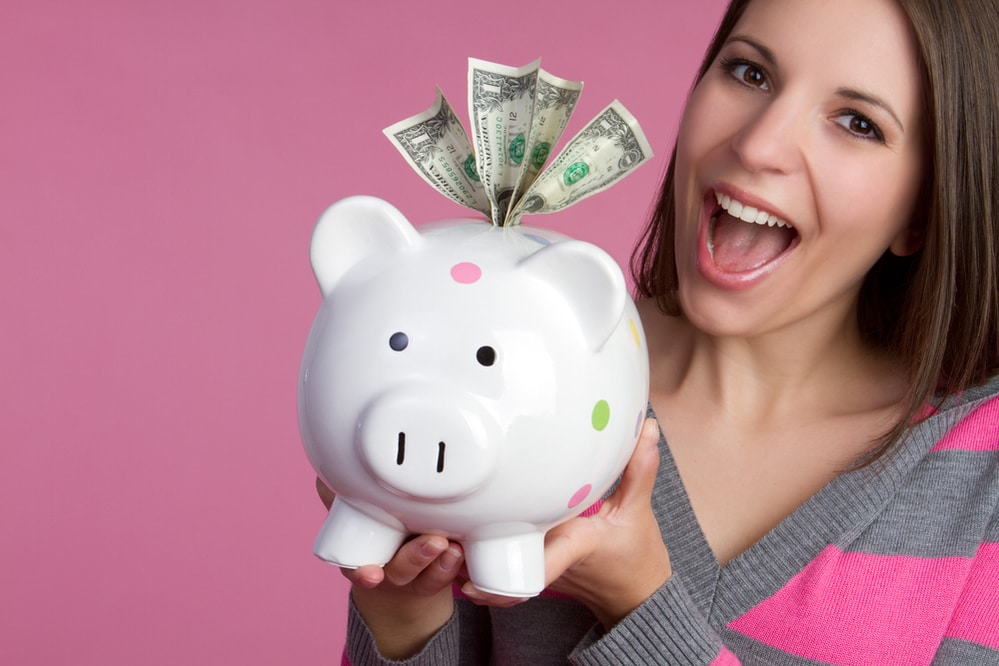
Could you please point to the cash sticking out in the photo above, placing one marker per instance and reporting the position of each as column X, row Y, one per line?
column 518, row 115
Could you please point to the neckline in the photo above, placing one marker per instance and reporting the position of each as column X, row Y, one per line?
column 835, row 515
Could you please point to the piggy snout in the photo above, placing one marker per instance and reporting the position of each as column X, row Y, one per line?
column 427, row 444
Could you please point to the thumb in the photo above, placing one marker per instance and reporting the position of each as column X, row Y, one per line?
column 639, row 476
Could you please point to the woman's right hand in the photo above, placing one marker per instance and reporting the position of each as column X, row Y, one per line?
column 406, row 601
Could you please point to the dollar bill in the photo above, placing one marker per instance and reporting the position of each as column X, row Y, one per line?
column 436, row 146
column 610, row 147
column 554, row 101
column 518, row 115
column 501, row 109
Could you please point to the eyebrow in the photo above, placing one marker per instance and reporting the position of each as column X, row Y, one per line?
column 871, row 98
column 848, row 93
column 764, row 52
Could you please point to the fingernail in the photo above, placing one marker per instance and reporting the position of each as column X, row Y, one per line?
column 449, row 559
column 368, row 582
column 432, row 547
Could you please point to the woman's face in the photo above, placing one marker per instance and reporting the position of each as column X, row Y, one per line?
column 799, row 161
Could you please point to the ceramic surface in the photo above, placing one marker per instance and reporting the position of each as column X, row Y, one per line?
column 479, row 382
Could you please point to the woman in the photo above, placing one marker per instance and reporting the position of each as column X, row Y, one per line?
column 821, row 299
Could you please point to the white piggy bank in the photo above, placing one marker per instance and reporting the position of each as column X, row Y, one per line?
column 483, row 383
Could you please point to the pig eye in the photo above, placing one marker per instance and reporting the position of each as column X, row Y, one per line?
column 399, row 341
column 485, row 355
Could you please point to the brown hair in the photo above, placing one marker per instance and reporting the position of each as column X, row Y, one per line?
column 938, row 310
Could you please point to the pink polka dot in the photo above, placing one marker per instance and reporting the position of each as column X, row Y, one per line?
column 466, row 273
column 579, row 496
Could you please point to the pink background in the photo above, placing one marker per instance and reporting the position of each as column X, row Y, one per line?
column 161, row 167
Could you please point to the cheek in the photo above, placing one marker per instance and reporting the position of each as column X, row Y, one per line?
column 703, row 150
column 876, row 201
column 691, row 136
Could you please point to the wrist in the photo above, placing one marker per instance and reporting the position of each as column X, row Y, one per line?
column 401, row 625
column 612, row 608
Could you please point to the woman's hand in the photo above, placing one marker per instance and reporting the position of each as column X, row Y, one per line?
column 405, row 602
column 616, row 559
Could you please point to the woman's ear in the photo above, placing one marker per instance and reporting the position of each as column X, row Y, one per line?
column 909, row 241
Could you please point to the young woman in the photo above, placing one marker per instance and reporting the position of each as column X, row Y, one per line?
column 820, row 292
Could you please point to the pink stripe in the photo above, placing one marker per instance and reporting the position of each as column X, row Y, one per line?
column 726, row 658
column 979, row 431
column 977, row 616
column 859, row 608
column 593, row 509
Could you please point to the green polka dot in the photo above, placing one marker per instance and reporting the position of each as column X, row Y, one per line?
column 601, row 415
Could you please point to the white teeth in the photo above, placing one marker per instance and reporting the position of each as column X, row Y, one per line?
column 746, row 213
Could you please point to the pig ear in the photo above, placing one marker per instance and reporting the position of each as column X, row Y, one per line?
column 353, row 229
column 589, row 279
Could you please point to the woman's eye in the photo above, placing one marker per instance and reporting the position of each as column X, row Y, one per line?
column 860, row 126
column 747, row 73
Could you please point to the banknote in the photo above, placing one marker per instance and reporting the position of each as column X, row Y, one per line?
column 610, row 147
column 554, row 101
column 500, row 109
column 436, row 146
column 518, row 115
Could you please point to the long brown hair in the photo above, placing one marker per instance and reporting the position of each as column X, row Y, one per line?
column 938, row 310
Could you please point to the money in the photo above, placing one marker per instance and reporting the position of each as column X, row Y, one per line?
column 518, row 115
column 610, row 147
column 501, row 109
column 554, row 102
column 436, row 146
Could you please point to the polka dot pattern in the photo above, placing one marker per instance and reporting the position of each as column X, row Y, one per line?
column 601, row 415
column 634, row 333
column 580, row 495
column 466, row 273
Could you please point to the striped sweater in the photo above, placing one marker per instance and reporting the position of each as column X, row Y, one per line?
column 894, row 564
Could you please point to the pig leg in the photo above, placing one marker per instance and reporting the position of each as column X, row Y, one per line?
column 351, row 538
column 511, row 565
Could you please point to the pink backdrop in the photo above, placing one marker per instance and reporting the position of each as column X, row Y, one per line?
column 161, row 167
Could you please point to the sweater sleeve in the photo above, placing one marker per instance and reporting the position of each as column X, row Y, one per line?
column 440, row 650
column 463, row 640
column 667, row 628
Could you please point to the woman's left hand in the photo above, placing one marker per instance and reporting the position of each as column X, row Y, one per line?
column 615, row 559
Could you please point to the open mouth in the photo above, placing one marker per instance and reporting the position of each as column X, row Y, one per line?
column 743, row 238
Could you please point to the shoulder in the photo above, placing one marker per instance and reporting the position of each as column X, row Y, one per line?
column 970, row 420
column 964, row 451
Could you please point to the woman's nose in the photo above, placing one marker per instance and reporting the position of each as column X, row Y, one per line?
column 770, row 138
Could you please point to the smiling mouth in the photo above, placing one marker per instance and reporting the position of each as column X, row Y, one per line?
column 743, row 238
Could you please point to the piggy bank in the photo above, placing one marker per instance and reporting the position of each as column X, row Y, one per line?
column 483, row 383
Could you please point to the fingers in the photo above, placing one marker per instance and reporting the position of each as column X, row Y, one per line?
column 369, row 575
column 639, row 476
column 622, row 515
column 423, row 565
column 413, row 557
